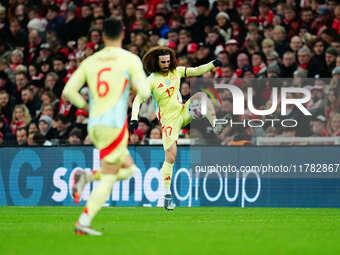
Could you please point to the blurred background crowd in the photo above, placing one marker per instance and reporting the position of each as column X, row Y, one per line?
column 262, row 43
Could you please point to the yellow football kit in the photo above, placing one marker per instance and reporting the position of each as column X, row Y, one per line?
column 108, row 74
column 167, row 101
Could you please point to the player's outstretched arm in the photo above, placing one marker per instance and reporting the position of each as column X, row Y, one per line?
column 197, row 71
column 72, row 87
column 135, row 107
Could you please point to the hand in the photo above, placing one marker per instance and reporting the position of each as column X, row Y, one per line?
column 133, row 125
column 217, row 62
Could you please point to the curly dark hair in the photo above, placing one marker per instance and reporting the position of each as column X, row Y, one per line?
column 150, row 59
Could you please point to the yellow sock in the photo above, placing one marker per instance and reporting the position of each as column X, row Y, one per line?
column 166, row 176
column 96, row 175
column 97, row 198
column 126, row 173
column 93, row 175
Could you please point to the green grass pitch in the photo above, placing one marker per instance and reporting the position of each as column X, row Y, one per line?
column 49, row 231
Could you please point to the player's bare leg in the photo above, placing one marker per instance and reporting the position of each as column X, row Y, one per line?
column 81, row 177
column 170, row 157
column 97, row 198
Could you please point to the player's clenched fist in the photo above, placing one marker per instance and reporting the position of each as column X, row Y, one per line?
column 217, row 62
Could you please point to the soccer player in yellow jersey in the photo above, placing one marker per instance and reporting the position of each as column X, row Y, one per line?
column 164, row 82
column 109, row 74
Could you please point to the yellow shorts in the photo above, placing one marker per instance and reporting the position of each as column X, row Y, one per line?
column 111, row 142
column 171, row 127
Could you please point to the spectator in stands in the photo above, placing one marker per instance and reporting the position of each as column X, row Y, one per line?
column 295, row 44
column 47, row 109
column 223, row 25
column 75, row 137
column 306, row 17
column 53, row 84
column 30, row 136
column 48, row 97
column 81, row 121
column 224, row 57
column 86, row 18
column 64, row 127
column 17, row 57
column 232, row 47
column 242, row 61
column 156, row 133
column 317, row 104
column 205, row 16
column 334, row 125
column 135, row 138
column 16, row 36
column 35, row 42
column 161, row 24
column 184, row 40
column 45, row 127
column 259, row 67
column 32, row 103
column 40, row 140
column 290, row 21
column 32, row 127
column 336, row 45
column 21, row 81
column 267, row 46
column 332, row 103
column 319, row 127
column 330, row 60
column 20, row 118
column 142, row 43
column 273, row 70
column 336, row 20
column 67, row 109
column 89, row 49
column 95, row 36
column 193, row 27
column 307, row 63
column 6, row 105
column 185, row 91
column 272, row 58
column 59, row 67
column 21, row 136
column 55, row 22
column 144, row 126
column 280, row 40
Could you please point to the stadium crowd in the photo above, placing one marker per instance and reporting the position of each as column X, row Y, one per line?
column 262, row 44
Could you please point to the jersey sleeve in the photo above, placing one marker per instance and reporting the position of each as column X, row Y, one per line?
column 138, row 101
column 180, row 71
column 195, row 71
column 138, row 78
column 72, row 87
